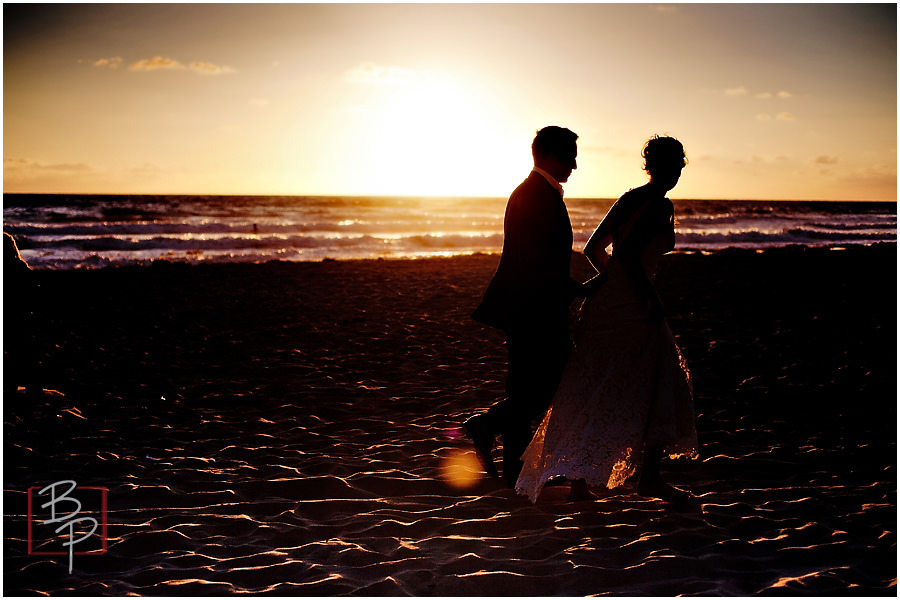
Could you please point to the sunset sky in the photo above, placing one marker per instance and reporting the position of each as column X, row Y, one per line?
column 771, row 101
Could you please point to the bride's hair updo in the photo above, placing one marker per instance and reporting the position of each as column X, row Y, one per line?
column 663, row 153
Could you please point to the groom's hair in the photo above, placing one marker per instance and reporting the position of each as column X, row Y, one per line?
column 553, row 141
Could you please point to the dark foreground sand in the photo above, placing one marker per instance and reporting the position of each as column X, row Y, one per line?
column 293, row 429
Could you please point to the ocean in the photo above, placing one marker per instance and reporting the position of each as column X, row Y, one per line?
column 91, row 231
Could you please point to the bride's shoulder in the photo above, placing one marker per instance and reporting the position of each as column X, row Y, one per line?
column 630, row 194
column 631, row 200
column 635, row 195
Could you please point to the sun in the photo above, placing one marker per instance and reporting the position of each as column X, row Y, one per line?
column 442, row 137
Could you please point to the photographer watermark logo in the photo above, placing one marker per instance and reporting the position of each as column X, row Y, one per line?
column 64, row 515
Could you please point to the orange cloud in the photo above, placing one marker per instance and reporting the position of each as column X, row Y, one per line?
column 111, row 63
column 21, row 165
column 782, row 116
column 742, row 91
column 157, row 62
column 26, row 175
column 209, row 68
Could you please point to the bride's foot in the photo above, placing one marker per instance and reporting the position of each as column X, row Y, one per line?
column 662, row 490
column 579, row 492
column 651, row 484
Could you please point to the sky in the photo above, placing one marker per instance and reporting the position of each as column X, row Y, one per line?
column 771, row 101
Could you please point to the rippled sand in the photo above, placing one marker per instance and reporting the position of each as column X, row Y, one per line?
column 294, row 429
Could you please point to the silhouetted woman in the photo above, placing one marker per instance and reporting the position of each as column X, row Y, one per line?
column 625, row 400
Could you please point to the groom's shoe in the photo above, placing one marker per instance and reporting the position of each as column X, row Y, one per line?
column 477, row 431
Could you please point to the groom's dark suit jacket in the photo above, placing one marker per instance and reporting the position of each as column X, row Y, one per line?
column 532, row 287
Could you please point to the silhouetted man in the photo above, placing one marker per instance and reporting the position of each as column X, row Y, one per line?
column 529, row 299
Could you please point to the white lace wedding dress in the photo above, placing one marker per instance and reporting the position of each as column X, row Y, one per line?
column 626, row 387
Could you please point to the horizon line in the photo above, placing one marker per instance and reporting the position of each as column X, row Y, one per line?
column 429, row 196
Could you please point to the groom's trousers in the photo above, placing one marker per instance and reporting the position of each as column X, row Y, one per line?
column 537, row 357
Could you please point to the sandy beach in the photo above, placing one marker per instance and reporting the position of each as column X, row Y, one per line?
column 294, row 428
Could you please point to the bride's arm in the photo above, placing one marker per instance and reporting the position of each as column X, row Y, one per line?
column 595, row 249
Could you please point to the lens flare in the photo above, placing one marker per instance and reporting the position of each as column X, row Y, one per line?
column 460, row 469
